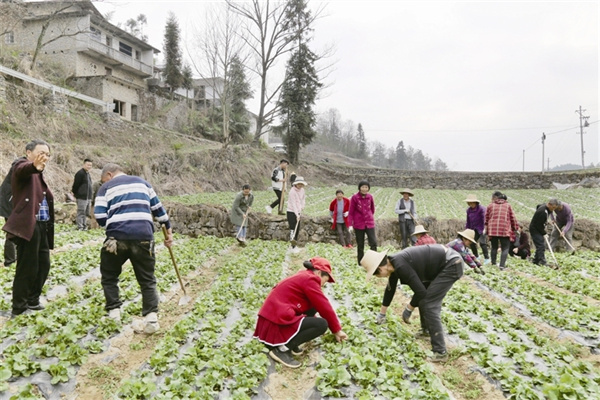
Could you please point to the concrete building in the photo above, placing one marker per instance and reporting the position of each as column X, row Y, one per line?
column 103, row 60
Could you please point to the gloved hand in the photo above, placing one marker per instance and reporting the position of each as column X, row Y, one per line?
column 345, row 214
column 406, row 314
column 380, row 319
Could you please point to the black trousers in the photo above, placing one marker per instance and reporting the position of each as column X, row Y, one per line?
column 33, row 267
column 141, row 255
column 276, row 202
column 504, row 246
column 360, row 241
column 310, row 328
column 540, row 248
column 293, row 223
column 10, row 251
column 482, row 240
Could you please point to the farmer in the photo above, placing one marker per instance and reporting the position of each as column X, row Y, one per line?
column 407, row 214
column 537, row 229
column 362, row 218
column 82, row 190
column 520, row 246
column 6, row 206
column 476, row 222
column 31, row 226
column 126, row 206
column 338, row 210
column 296, row 202
column 430, row 271
column 461, row 245
column 287, row 318
column 239, row 212
column 500, row 221
column 422, row 236
column 278, row 177
column 562, row 226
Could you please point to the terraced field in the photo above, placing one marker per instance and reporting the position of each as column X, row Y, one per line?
column 524, row 333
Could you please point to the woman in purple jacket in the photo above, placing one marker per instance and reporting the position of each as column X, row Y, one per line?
column 476, row 221
column 362, row 218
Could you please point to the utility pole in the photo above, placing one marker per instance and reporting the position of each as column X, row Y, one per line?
column 582, row 124
column 523, row 160
column 548, row 166
column 543, row 140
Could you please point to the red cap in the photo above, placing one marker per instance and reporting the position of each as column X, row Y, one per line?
column 322, row 264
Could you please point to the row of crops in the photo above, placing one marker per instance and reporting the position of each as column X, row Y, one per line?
column 442, row 204
column 530, row 332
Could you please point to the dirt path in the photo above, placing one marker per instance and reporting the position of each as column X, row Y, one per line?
column 101, row 375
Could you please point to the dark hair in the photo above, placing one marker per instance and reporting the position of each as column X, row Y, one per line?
column 246, row 186
column 383, row 262
column 497, row 194
column 87, row 160
column 308, row 265
column 34, row 143
column 339, row 191
column 364, row 183
column 283, row 160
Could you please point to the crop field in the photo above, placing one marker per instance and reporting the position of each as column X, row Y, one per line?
column 525, row 333
column 442, row 204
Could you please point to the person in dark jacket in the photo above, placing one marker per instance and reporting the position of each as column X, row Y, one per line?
column 239, row 213
column 287, row 318
column 537, row 229
column 520, row 246
column 82, row 190
column 31, row 226
column 430, row 271
column 10, row 249
column 476, row 222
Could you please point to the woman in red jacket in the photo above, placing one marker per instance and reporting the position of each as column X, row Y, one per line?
column 286, row 320
column 338, row 210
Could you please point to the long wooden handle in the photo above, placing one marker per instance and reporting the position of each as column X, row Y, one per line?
column 164, row 229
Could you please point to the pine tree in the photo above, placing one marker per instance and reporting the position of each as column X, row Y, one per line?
column 172, row 73
column 362, row 142
column 240, row 91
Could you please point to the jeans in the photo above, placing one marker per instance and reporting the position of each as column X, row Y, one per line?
column 407, row 227
column 556, row 241
column 540, row 248
column 240, row 232
column 33, row 267
column 482, row 240
column 276, row 202
column 343, row 234
column 504, row 244
column 310, row 328
column 431, row 305
column 10, row 251
column 360, row 241
column 83, row 210
column 141, row 255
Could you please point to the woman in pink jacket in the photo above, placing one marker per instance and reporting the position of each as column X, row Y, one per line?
column 296, row 202
column 362, row 218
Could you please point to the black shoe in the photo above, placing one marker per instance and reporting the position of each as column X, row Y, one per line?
column 439, row 357
column 36, row 307
column 284, row 357
column 15, row 314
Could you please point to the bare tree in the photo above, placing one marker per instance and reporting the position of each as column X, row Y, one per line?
column 11, row 15
column 220, row 47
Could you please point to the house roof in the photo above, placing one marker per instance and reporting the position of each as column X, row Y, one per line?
column 208, row 81
column 97, row 19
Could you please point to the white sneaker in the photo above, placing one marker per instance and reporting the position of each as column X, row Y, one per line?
column 115, row 314
column 152, row 325
column 269, row 209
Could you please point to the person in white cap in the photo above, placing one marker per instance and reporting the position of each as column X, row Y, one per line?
column 430, row 271
column 422, row 236
column 461, row 244
column 407, row 213
column 296, row 202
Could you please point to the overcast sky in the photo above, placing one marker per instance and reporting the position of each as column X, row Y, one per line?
column 473, row 83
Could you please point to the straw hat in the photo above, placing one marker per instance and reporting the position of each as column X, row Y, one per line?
column 300, row 179
column 419, row 229
column 408, row 191
column 322, row 264
column 468, row 234
column 471, row 198
column 371, row 261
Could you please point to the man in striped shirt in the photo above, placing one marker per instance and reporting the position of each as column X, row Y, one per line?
column 126, row 206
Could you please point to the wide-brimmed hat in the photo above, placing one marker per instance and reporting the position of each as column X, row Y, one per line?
column 471, row 198
column 468, row 234
column 322, row 264
column 419, row 229
column 371, row 261
column 299, row 179
column 408, row 191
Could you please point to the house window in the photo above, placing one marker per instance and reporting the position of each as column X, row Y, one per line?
column 108, row 41
column 9, row 37
column 126, row 49
column 95, row 34
column 108, row 71
column 138, row 55
column 119, row 107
